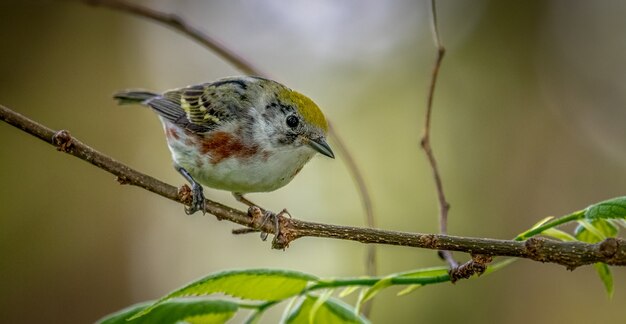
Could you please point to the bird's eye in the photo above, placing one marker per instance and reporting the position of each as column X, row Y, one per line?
column 292, row 121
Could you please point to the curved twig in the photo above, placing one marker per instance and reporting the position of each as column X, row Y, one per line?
column 444, row 206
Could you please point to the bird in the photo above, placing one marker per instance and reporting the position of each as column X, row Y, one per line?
column 241, row 134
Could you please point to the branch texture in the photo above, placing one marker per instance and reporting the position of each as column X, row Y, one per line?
column 611, row 251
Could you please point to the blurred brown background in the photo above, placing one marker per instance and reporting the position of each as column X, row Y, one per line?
column 528, row 122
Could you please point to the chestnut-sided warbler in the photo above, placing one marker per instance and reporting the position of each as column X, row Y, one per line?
column 240, row 134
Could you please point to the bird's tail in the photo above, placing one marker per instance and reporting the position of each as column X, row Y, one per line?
column 133, row 96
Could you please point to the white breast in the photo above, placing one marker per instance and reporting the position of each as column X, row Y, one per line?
column 267, row 170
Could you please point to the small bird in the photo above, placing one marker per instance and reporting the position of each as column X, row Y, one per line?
column 240, row 134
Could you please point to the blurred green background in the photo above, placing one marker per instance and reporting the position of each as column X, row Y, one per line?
column 528, row 122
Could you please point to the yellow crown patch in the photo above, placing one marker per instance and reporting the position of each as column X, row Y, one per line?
column 306, row 107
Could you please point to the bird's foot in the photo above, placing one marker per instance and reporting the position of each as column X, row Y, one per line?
column 197, row 200
column 267, row 215
column 197, row 197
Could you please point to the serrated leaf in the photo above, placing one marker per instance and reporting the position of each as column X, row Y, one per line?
column 606, row 276
column 409, row 289
column 191, row 311
column 255, row 284
column 332, row 311
column 612, row 208
column 558, row 234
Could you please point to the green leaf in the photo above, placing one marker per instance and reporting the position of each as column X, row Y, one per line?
column 595, row 230
column 399, row 278
column 331, row 311
column 558, row 234
column 255, row 316
column 374, row 290
column 613, row 208
column 606, row 227
column 586, row 232
column 539, row 223
column 422, row 273
column 606, row 276
column 290, row 308
column 256, row 284
column 173, row 311
column 318, row 304
column 409, row 289
column 348, row 291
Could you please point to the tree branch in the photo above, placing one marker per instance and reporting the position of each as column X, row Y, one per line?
column 611, row 251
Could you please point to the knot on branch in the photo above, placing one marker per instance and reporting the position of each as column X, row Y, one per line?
column 62, row 140
column 285, row 235
column 609, row 247
column 256, row 217
column 441, row 51
column 122, row 180
column 534, row 247
column 430, row 240
column 477, row 265
column 184, row 194
column 425, row 142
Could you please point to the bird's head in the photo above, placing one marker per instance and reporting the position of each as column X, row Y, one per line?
column 296, row 121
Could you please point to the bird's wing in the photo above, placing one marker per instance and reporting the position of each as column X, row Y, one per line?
column 202, row 107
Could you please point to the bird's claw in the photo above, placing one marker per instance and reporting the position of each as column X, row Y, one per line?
column 267, row 215
column 197, row 200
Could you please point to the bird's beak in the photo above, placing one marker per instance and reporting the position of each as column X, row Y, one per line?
column 320, row 145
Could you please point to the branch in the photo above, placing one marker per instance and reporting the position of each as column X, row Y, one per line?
column 444, row 206
column 611, row 251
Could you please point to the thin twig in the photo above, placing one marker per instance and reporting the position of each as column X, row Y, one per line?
column 245, row 66
column 444, row 206
column 573, row 254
